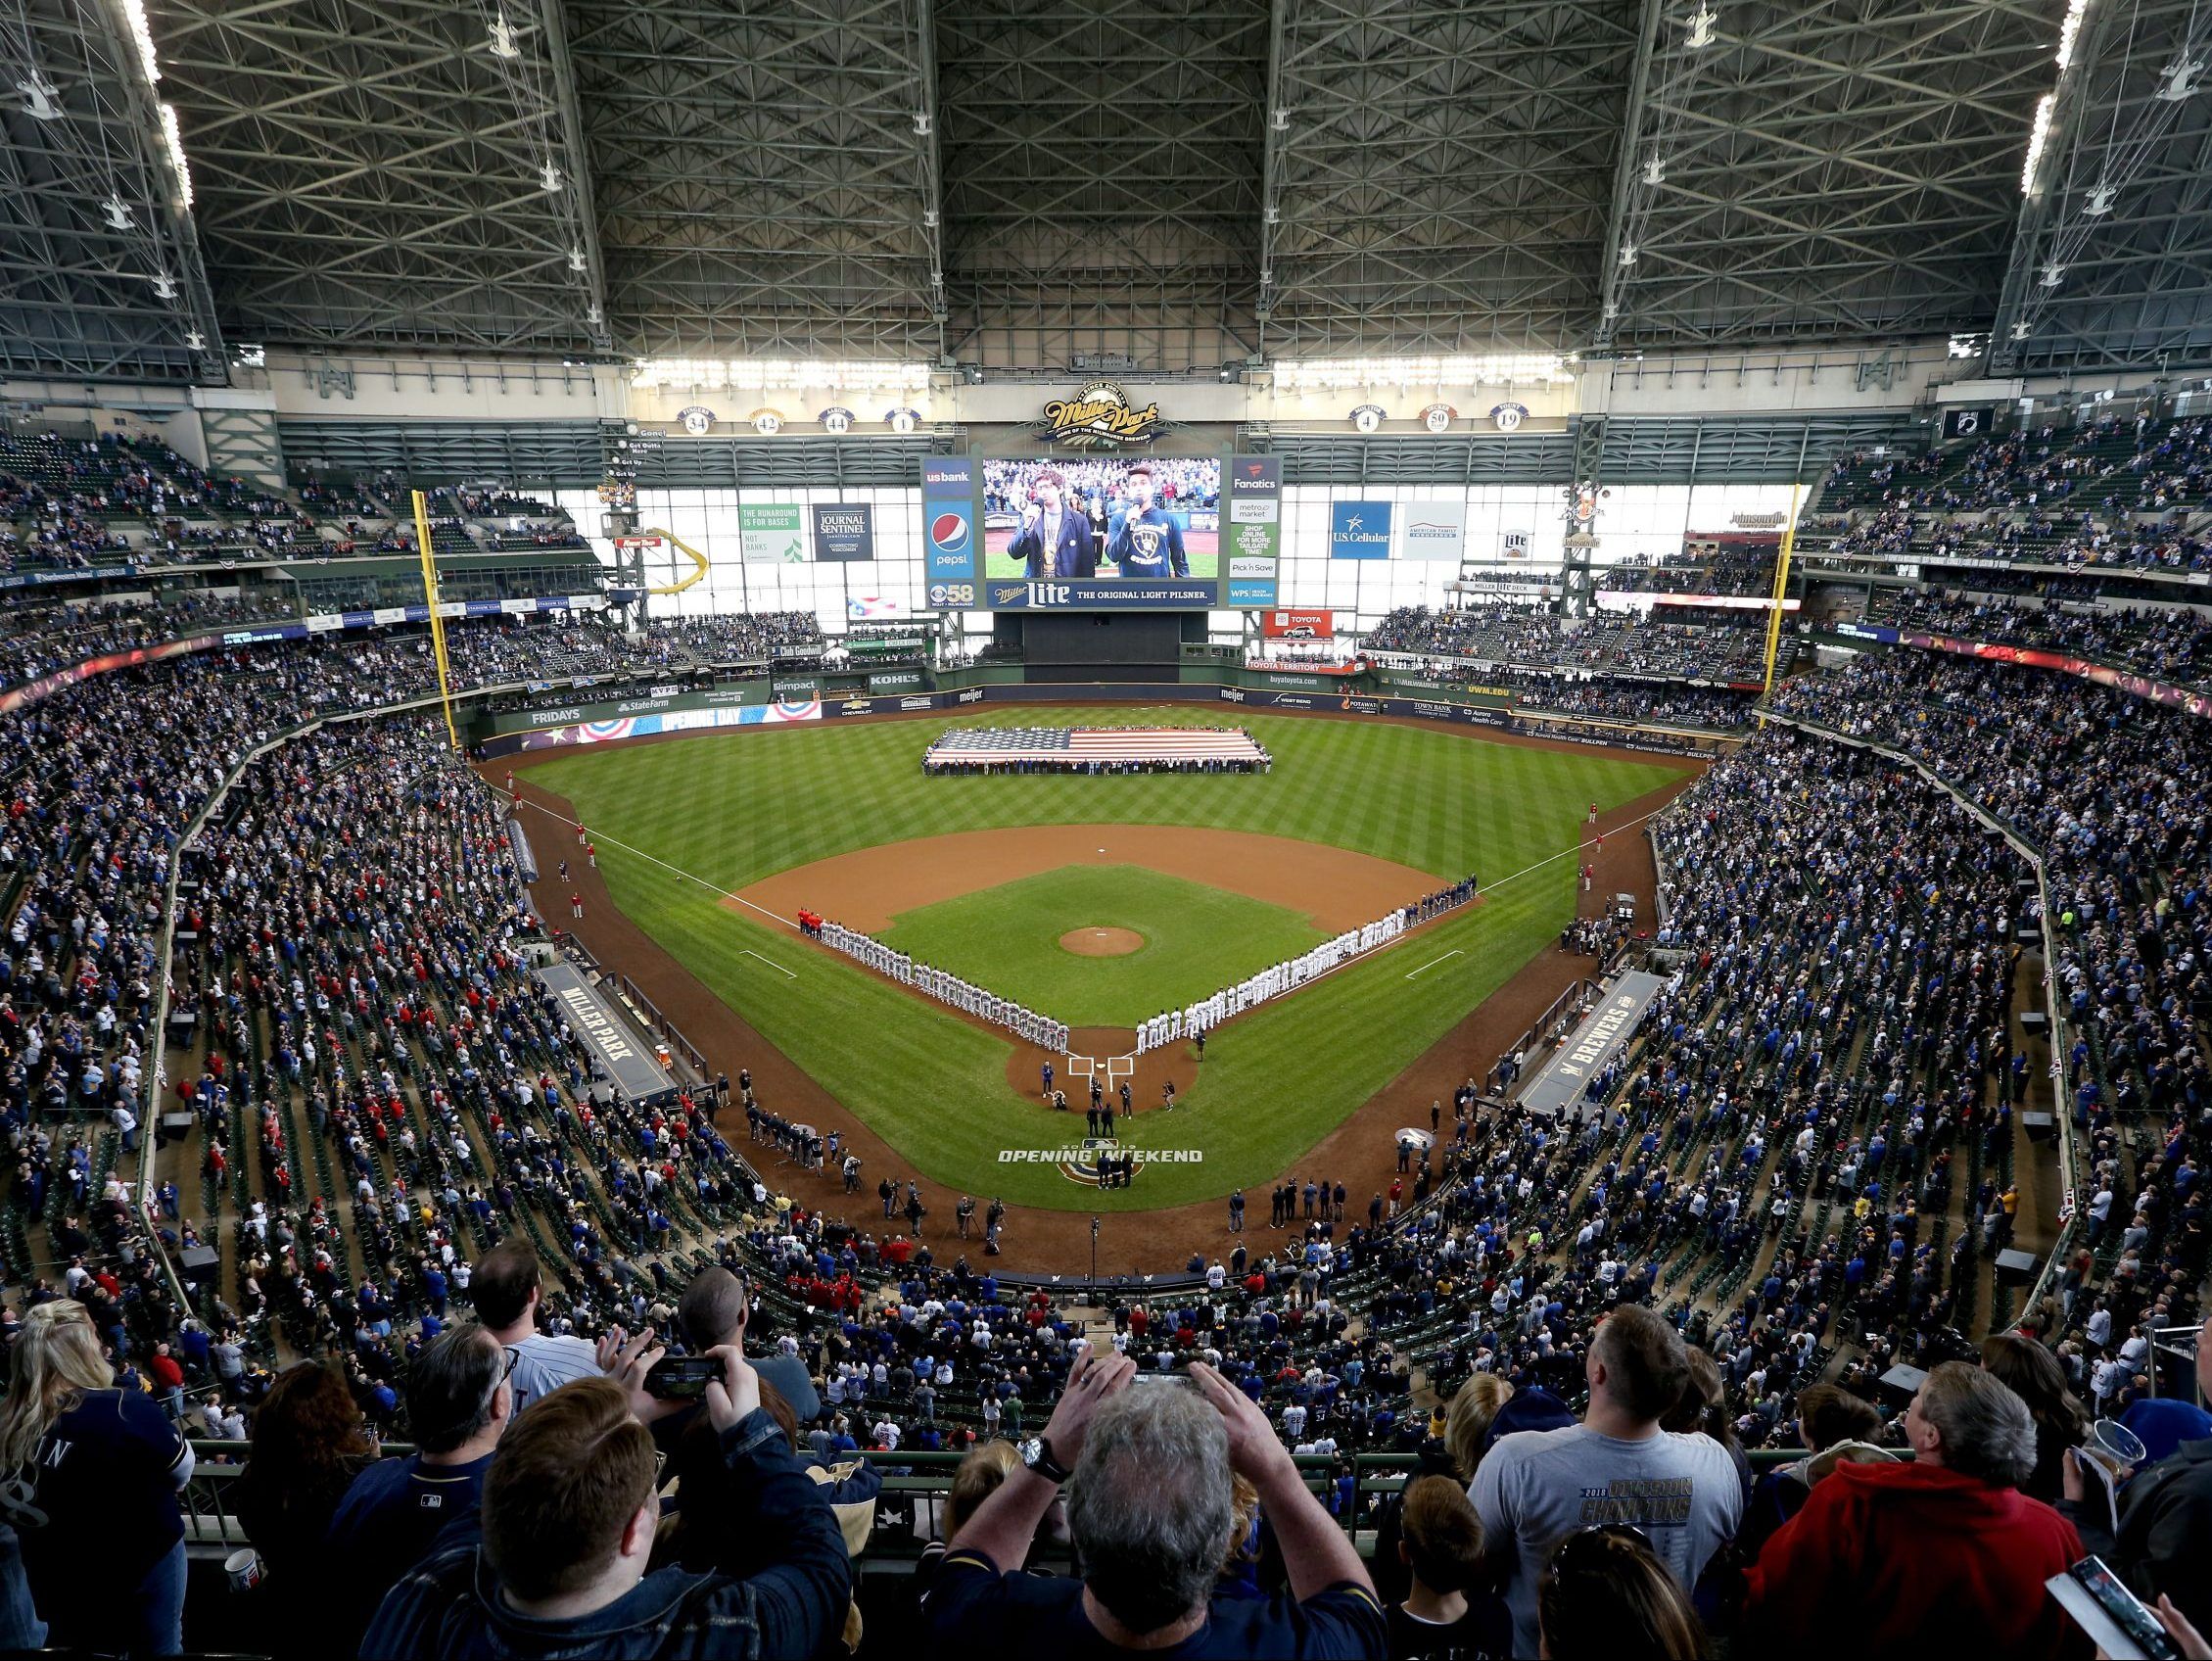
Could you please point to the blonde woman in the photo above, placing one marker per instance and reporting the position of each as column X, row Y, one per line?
column 92, row 1475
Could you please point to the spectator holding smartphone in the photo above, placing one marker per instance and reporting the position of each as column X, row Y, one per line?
column 557, row 1561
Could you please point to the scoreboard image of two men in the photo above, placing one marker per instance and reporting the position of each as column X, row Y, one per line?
column 1132, row 520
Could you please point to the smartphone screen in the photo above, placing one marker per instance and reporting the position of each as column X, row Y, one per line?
column 682, row 1378
column 2128, row 1611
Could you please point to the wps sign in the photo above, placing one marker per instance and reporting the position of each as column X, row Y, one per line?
column 1099, row 417
column 844, row 532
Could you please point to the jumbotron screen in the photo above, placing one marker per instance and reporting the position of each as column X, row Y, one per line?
column 1157, row 533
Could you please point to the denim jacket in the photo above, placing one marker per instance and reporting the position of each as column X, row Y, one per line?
column 449, row 1604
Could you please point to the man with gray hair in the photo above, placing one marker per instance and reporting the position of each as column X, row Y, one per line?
column 459, row 1400
column 1148, row 1468
column 1943, row 1556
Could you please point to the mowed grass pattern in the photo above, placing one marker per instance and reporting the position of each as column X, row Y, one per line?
column 733, row 808
column 1197, row 939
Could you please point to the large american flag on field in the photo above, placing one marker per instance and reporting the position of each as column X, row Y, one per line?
column 1096, row 743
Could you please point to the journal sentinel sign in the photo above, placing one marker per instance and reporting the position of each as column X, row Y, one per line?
column 1359, row 530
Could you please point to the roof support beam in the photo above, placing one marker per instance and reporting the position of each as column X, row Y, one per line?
column 1272, row 137
column 2069, row 110
column 173, row 230
column 1624, row 175
column 571, row 114
column 927, row 129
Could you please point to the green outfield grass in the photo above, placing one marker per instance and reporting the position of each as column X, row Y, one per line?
column 1197, row 940
column 735, row 808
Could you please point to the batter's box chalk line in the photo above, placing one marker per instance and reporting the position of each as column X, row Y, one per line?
column 1115, row 1066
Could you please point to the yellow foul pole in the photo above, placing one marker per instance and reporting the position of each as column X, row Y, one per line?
column 1782, row 586
column 437, row 623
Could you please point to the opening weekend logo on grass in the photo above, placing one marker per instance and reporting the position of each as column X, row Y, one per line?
column 1079, row 1163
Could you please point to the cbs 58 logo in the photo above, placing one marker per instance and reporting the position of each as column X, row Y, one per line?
column 952, row 593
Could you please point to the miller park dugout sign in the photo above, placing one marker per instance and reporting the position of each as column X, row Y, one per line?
column 1099, row 417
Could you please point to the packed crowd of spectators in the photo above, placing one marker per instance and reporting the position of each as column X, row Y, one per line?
column 732, row 637
column 1736, row 566
column 2127, row 492
column 2165, row 643
column 1793, row 1180
column 38, row 639
column 1717, row 646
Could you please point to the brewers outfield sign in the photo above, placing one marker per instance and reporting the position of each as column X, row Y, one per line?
column 1099, row 417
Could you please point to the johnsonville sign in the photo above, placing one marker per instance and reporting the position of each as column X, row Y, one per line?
column 1099, row 417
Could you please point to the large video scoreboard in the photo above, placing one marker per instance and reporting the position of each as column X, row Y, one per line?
column 1087, row 532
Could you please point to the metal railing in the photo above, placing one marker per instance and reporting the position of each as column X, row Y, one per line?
column 916, row 1483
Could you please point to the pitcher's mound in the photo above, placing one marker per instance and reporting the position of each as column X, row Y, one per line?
column 1102, row 942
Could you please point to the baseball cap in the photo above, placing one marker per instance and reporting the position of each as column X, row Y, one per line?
column 788, row 1374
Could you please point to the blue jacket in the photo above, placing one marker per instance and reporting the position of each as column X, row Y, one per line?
column 450, row 1605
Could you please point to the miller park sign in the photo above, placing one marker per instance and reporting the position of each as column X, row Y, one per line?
column 1099, row 417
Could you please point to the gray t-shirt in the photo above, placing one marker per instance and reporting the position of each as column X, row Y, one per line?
column 545, row 1361
column 1535, row 1488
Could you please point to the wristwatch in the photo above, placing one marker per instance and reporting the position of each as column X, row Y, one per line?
column 1037, row 1459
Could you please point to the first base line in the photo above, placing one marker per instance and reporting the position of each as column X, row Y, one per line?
column 1431, row 963
column 770, row 962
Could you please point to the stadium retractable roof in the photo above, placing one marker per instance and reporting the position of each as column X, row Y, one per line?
column 1186, row 183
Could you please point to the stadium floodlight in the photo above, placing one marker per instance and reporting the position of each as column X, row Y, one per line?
column 503, row 37
column 576, row 262
column 2053, row 274
column 1655, row 171
column 1339, row 374
column 2021, row 331
column 117, row 212
column 921, row 123
column 1701, row 28
column 195, row 340
column 779, row 375
column 2039, row 135
column 165, row 286
column 134, row 14
column 2070, row 31
column 2100, row 201
column 930, row 218
column 172, row 139
column 550, row 178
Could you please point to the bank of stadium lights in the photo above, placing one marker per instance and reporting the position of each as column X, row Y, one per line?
column 760, row 374
column 2039, row 135
column 1338, row 374
column 172, row 137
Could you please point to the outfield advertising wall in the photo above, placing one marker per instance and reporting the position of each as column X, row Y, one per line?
column 860, row 705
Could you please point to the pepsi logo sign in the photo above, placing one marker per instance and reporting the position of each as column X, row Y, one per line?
column 949, row 533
